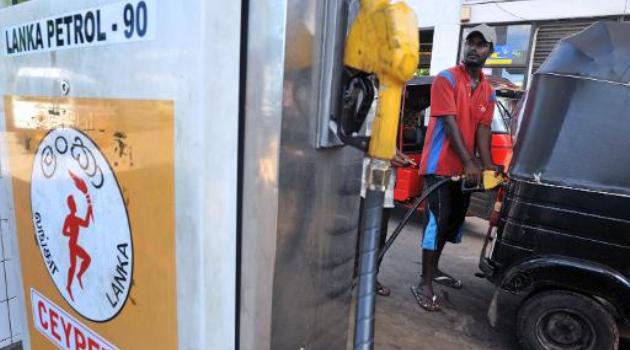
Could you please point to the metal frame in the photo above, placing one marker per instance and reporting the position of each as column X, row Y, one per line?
column 300, row 203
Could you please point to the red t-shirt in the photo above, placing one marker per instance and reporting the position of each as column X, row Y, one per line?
column 451, row 95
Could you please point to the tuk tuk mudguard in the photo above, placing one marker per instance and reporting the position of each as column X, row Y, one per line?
column 544, row 273
column 558, row 238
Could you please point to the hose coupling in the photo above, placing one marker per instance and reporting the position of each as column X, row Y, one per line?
column 379, row 172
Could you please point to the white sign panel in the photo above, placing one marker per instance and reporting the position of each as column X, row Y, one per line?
column 62, row 329
column 115, row 23
column 81, row 224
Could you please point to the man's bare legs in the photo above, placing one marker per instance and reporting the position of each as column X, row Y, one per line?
column 441, row 277
column 423, row 293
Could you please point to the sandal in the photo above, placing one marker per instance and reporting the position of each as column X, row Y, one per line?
column 448, row 281
column 430, row 304
column 382, row 290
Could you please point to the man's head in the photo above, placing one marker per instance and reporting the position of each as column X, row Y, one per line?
column 479, row 45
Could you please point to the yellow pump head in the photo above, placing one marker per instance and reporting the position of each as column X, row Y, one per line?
column 384, row 41
column 492, row 179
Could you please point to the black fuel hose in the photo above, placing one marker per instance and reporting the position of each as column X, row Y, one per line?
column 366, row 293
column 408, row 216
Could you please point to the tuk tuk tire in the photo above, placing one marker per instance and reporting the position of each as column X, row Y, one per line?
column 548, row 321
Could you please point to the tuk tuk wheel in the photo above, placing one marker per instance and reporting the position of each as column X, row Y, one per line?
column 563, row 320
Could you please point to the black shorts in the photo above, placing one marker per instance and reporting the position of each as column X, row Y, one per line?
column 445, row 213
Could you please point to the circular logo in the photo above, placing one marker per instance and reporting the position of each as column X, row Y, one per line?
column 81, row 224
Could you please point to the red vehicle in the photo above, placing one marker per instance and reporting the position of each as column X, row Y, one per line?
column 414, row 118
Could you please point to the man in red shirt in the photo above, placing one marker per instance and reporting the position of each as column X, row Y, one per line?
column 462, row 105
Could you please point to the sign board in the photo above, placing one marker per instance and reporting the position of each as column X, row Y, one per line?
column 62, row 329
column 502, row 55
column 94, row 202
column 120, row 22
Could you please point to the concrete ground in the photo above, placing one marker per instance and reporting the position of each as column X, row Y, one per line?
column 462, row 324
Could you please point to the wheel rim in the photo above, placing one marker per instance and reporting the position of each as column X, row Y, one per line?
column 565, row 329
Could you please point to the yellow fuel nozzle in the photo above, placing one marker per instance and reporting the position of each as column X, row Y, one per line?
column 384, row 41
column 492, row 179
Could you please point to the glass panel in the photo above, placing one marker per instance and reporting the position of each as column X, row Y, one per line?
column 516, row 76
column 511, row 48
column 499, row 119
column 426, row 48
column 504, row 80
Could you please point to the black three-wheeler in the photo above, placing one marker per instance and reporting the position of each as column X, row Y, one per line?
column 560, row 257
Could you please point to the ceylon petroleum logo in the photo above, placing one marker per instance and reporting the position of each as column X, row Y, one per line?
column 81, row 224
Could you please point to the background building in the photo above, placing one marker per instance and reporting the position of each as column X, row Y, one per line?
column 440, row 28
column 527, row 30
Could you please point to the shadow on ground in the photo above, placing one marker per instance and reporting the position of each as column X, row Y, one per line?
column 462, row 324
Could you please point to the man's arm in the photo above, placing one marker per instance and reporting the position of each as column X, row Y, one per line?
column 483, row 138
column 483, row 134
column 401, row 160
column 472, row 171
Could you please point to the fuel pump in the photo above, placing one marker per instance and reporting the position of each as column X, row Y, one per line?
column 382, row 41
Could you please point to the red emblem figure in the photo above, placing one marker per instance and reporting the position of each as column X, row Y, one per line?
column 71, row 228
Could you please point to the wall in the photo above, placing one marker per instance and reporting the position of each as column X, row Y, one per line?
column 11, row 317
column 443, row 17
column 12, row 329
column 534, row 10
